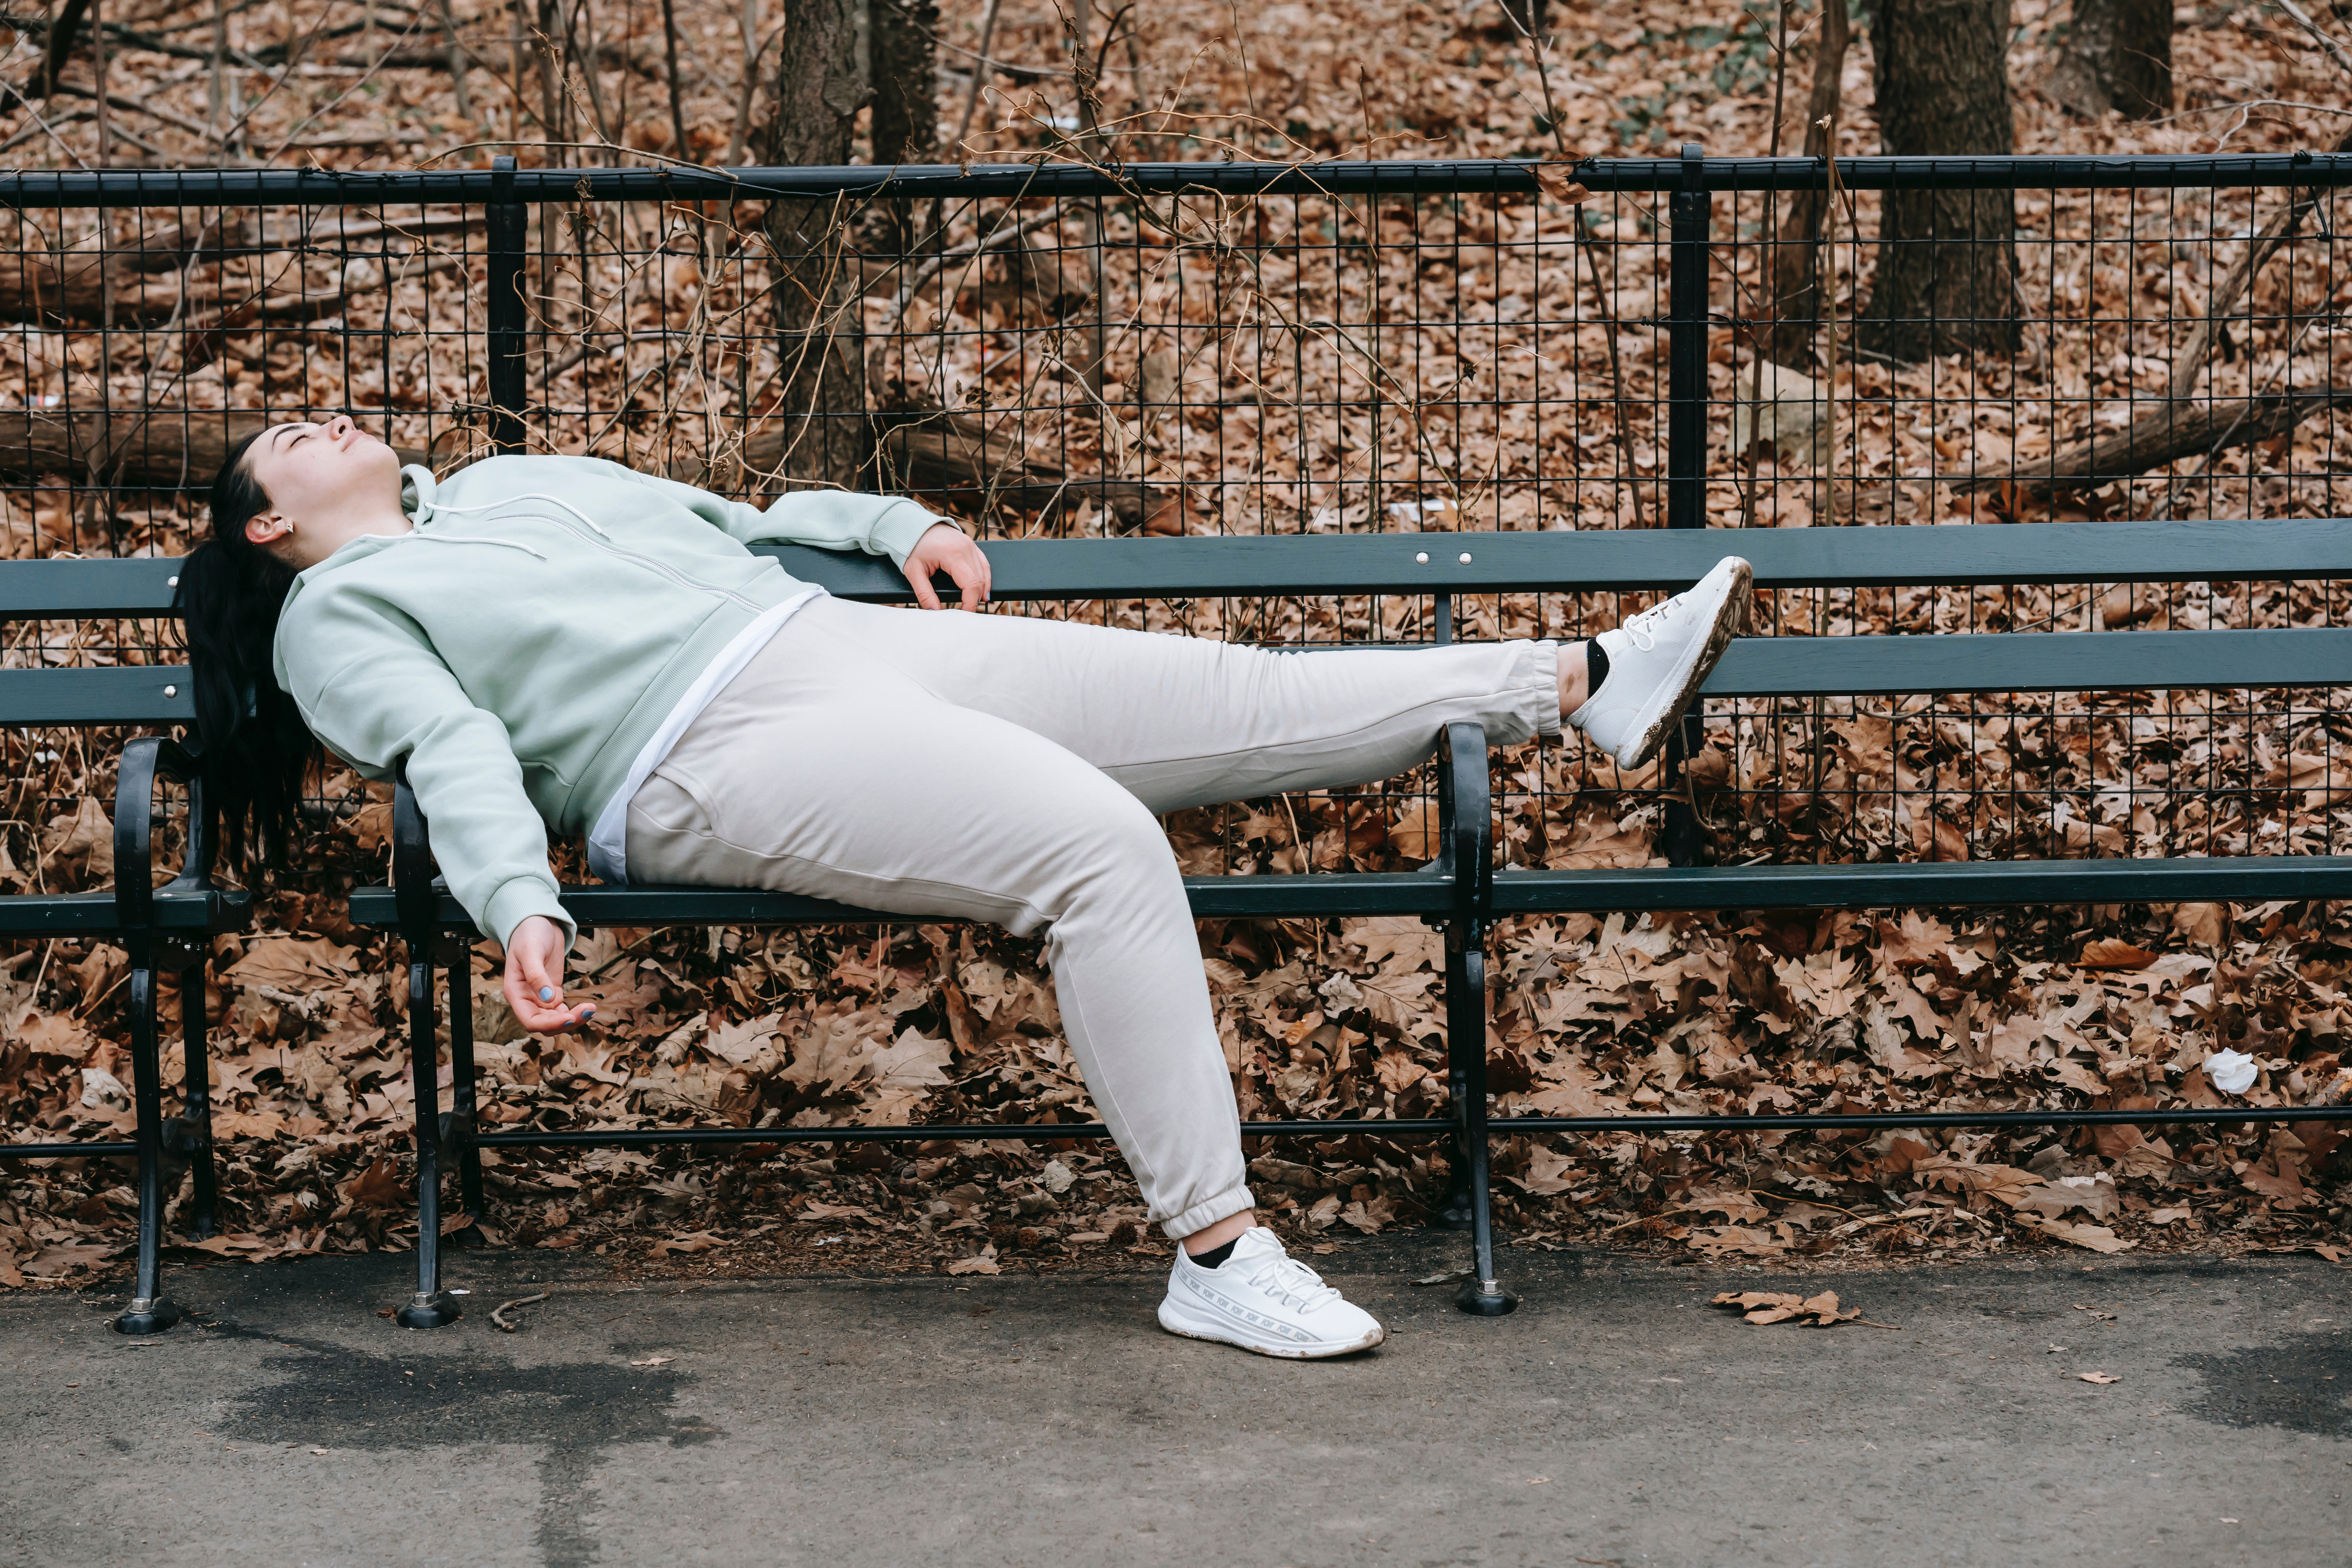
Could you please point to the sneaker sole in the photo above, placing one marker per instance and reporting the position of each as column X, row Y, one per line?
column 1177, row 1322
column 1728, row 618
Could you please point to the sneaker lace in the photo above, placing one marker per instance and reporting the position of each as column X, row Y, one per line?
column 1643, row 629
column 1300, row 1287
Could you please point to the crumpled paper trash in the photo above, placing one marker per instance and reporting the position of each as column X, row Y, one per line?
column 2232, row 1072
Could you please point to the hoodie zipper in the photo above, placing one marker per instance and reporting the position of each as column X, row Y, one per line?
column 604, row 541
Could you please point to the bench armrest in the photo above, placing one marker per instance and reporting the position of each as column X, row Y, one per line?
column 411, row 864
column 144, row 761
column 1466, row 826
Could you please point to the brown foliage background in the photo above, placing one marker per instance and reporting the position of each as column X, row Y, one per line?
column 1491, row 372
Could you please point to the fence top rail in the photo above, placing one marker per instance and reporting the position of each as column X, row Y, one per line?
column 1564, row 561
column 333, row 187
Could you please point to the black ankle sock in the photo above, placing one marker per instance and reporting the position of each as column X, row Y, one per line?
column 1215, row 1254
column 1596, row 668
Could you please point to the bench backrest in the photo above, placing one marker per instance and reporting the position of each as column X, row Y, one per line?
column 1452, row 565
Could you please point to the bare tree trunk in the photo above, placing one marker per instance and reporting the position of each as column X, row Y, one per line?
column 1946, row 258
column 161, row 448
column 814, row 107
column 2118, row 55
column 905, row 80
column 906, row 121
column 64, row 33
column 1796, row 303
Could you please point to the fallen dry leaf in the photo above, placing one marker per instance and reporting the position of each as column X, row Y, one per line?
column 1779, row 1306
column 697, row 1241
column 2097, row 1238
column 2099, row 1377
column 2114, row 952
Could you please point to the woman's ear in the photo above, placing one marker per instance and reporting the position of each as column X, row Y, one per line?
column 268, row 528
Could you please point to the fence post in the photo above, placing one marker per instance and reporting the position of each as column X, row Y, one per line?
column 507, row 323
column 1683, row 839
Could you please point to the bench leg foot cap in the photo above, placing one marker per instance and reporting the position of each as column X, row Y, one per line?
column 1485, row 1299
column 147, row 1315
column 437, row 1310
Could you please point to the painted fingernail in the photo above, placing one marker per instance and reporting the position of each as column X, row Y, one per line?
column 546, row 993
column 587, row 1012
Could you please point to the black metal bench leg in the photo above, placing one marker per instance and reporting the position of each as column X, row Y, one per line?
column 149, row 1312
column 1466, row 1029
column 431, row 1307
column 458, row 1127
column 196, row 1098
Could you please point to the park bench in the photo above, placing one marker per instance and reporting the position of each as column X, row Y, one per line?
column 166, row 928
column 1460, row 890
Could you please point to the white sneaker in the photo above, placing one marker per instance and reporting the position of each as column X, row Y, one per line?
column 1658, row 660
column 1264, row 1300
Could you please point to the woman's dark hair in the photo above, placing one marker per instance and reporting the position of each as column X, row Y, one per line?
column 255, row 747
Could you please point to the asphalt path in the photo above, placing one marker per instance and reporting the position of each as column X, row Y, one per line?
column 1616, row 1418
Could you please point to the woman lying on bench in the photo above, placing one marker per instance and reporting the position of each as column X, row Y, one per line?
column 560, row 642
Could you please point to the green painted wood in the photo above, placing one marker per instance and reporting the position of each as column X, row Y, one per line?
column 144, row 695
column 63, row 589
column 70, row 914
column 157, row 695
column 1936, row 883
column 1240, row 566
column 1378, row 893
column 2033, row 661
column 2294, row 549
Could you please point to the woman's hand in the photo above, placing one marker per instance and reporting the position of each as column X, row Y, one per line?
column 944, row 548
column 534, row 982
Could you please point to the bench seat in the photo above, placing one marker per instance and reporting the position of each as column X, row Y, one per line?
column 1954, row 884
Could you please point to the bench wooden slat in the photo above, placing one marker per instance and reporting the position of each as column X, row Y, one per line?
column 70, row 914
column 1914, row 884
column 2033, row 661
column 1240, row 566
column 1598, row 561
column 1884, row 885
column 124, row 694
column 1754, row 666
column 1352, row 894
column 41, row 590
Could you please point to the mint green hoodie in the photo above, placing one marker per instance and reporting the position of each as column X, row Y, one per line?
column 526, row 640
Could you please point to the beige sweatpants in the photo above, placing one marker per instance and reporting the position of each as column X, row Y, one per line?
column 998, row 768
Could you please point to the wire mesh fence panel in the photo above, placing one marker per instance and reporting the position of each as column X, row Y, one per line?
column 1433, row 349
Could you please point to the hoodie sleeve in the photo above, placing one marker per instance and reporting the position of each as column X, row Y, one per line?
column 830, row 520
column 391, row 696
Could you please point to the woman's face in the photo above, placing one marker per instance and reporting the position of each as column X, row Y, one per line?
column 316, row 475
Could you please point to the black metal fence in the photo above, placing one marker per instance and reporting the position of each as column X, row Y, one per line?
column 1434, row 347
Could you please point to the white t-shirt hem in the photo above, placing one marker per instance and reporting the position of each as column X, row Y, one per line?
column 608, row 846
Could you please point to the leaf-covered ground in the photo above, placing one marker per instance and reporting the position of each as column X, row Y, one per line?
column 2127, row 1007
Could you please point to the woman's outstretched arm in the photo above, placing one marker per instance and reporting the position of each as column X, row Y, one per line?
column 391, row 697
column 915, row 540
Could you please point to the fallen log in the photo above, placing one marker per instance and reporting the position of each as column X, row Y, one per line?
column 955, row 458
column 957, row 462
column 165, row 449
column 952, row 457
column 2164, row 435
column 38, row 285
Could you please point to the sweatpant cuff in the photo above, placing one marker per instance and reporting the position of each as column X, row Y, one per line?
column 1546, row 659
column 1203, row 1215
